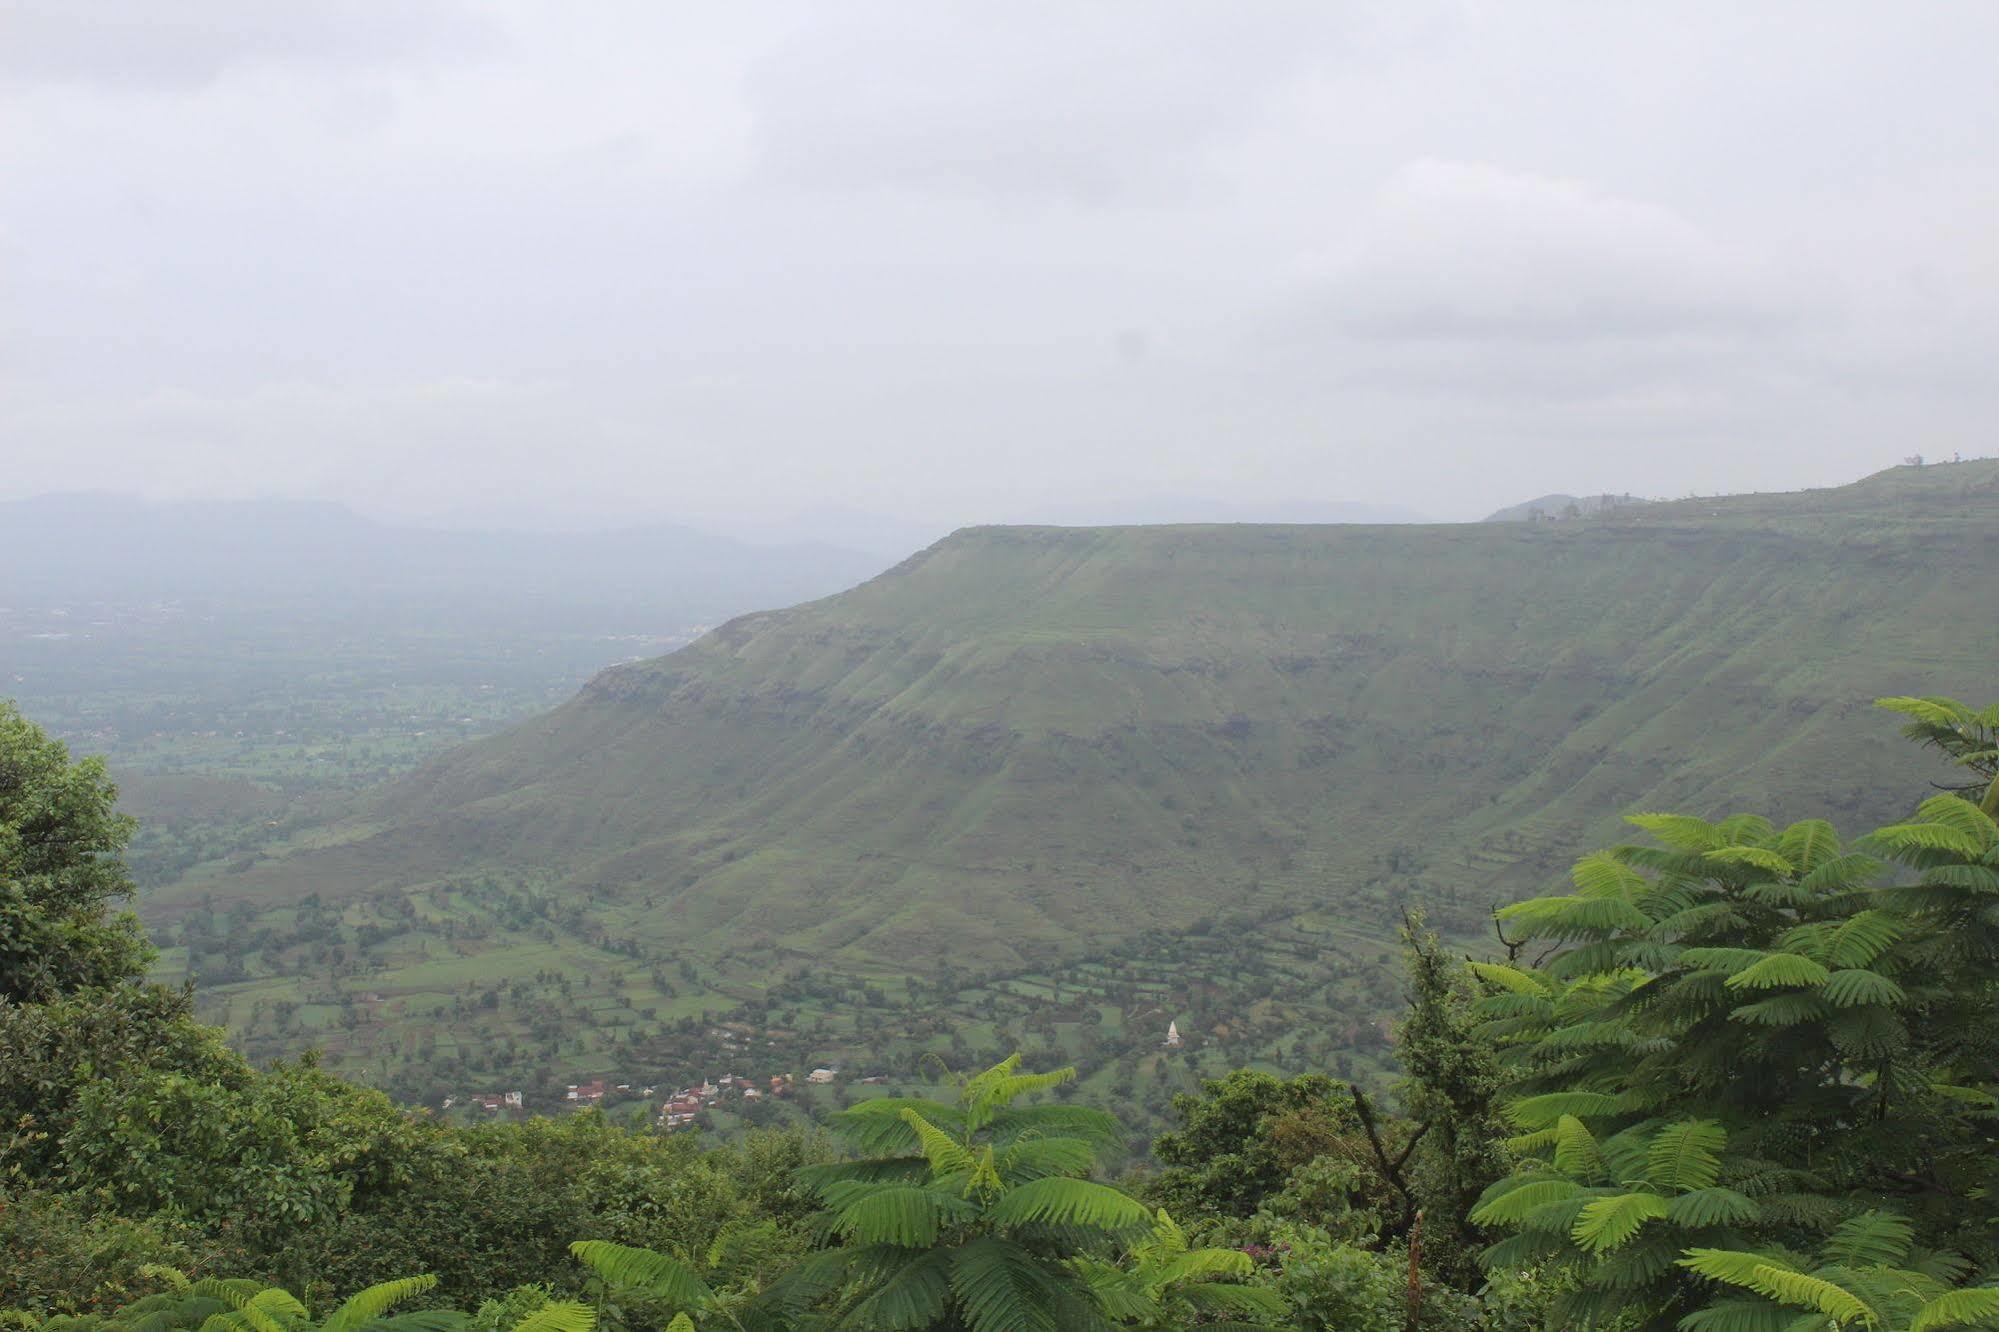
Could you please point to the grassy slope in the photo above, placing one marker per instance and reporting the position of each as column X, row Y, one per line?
column 1021, row 741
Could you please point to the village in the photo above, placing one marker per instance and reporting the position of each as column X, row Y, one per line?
column 681, row 1107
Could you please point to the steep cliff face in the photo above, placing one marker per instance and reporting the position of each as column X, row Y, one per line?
column 1025, row 740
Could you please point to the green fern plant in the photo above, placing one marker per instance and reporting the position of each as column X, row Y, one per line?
column 215, row 1304
column 1163, row 1285
column 970, row 1215
column 667, row 1284
column 1744, row 1036
column 1866, row 1276
column 1969, row 736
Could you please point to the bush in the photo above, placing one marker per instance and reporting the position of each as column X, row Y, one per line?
column 61, row 1257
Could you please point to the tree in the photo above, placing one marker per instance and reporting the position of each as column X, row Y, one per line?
column 969, row 1215
column 1747, row 1037
column 61, row 847
column 1243, row 1135
column 1452, row 1090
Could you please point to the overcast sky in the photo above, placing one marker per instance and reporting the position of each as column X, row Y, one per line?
column 592, row 263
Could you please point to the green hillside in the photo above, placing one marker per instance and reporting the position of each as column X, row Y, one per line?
column 1024, row 745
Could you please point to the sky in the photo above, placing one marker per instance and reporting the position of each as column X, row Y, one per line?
column 764, row 266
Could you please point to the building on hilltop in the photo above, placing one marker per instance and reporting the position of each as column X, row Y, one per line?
column 1172, row 1041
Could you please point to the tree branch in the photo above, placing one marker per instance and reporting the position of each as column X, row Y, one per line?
column 1390, row 1170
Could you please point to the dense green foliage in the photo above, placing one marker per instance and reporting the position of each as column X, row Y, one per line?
column 1239, row 1141
column 60, row 839
column 1755, row 1044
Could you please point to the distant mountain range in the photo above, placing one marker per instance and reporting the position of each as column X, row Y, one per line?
column 101, row 547
column 1024, row 742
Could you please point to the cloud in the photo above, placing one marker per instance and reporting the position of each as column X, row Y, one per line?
column 1468, row 252
column 1085, row 104
column 183, row 45
column 967, row 262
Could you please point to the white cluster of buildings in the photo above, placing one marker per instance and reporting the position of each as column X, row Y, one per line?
column 493, row 1101
column 679, row 1109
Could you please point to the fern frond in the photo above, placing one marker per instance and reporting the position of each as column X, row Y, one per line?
column 910, row 1216
column 1845, row 873
column 1869, row 1032
column 877, row 1128
column 1066, row 1121
column 1782, row 1010
column 1926, row 837
column 1205, row 1265
column 914, row 1294
column 1602, row 875
column 1960, row 815
column 267, row 1310
column 1944, row 713
column 1861, row 938
column 1974, row 1307
column 1684, row 1155
column 1576, row 1152
column 1852, row 988
column 1002, row 1084
column 1872, row 1239
column 1748, row 1314
column 1747, row 830
column 890, row 1170
column 1543, row 1111
column 559, row 1316
column 1808, row 844
column 1682, row 832
column 1511, row 1197
column 1758, row 857
column 422, row 1320
column 939, row 1148
column 1777, row 1281
column 367, row 1305
column 1697, row 919
column 1513, row 979
column 1778, row 969
column 1728, row 960
column 1079, row 1202
column 1033, row 1158
column 1608, row 1223
column 1699, row 1208
column 1210, row 1297
column 1977, row 878
column 1001, row 1288
column 658, row 1275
